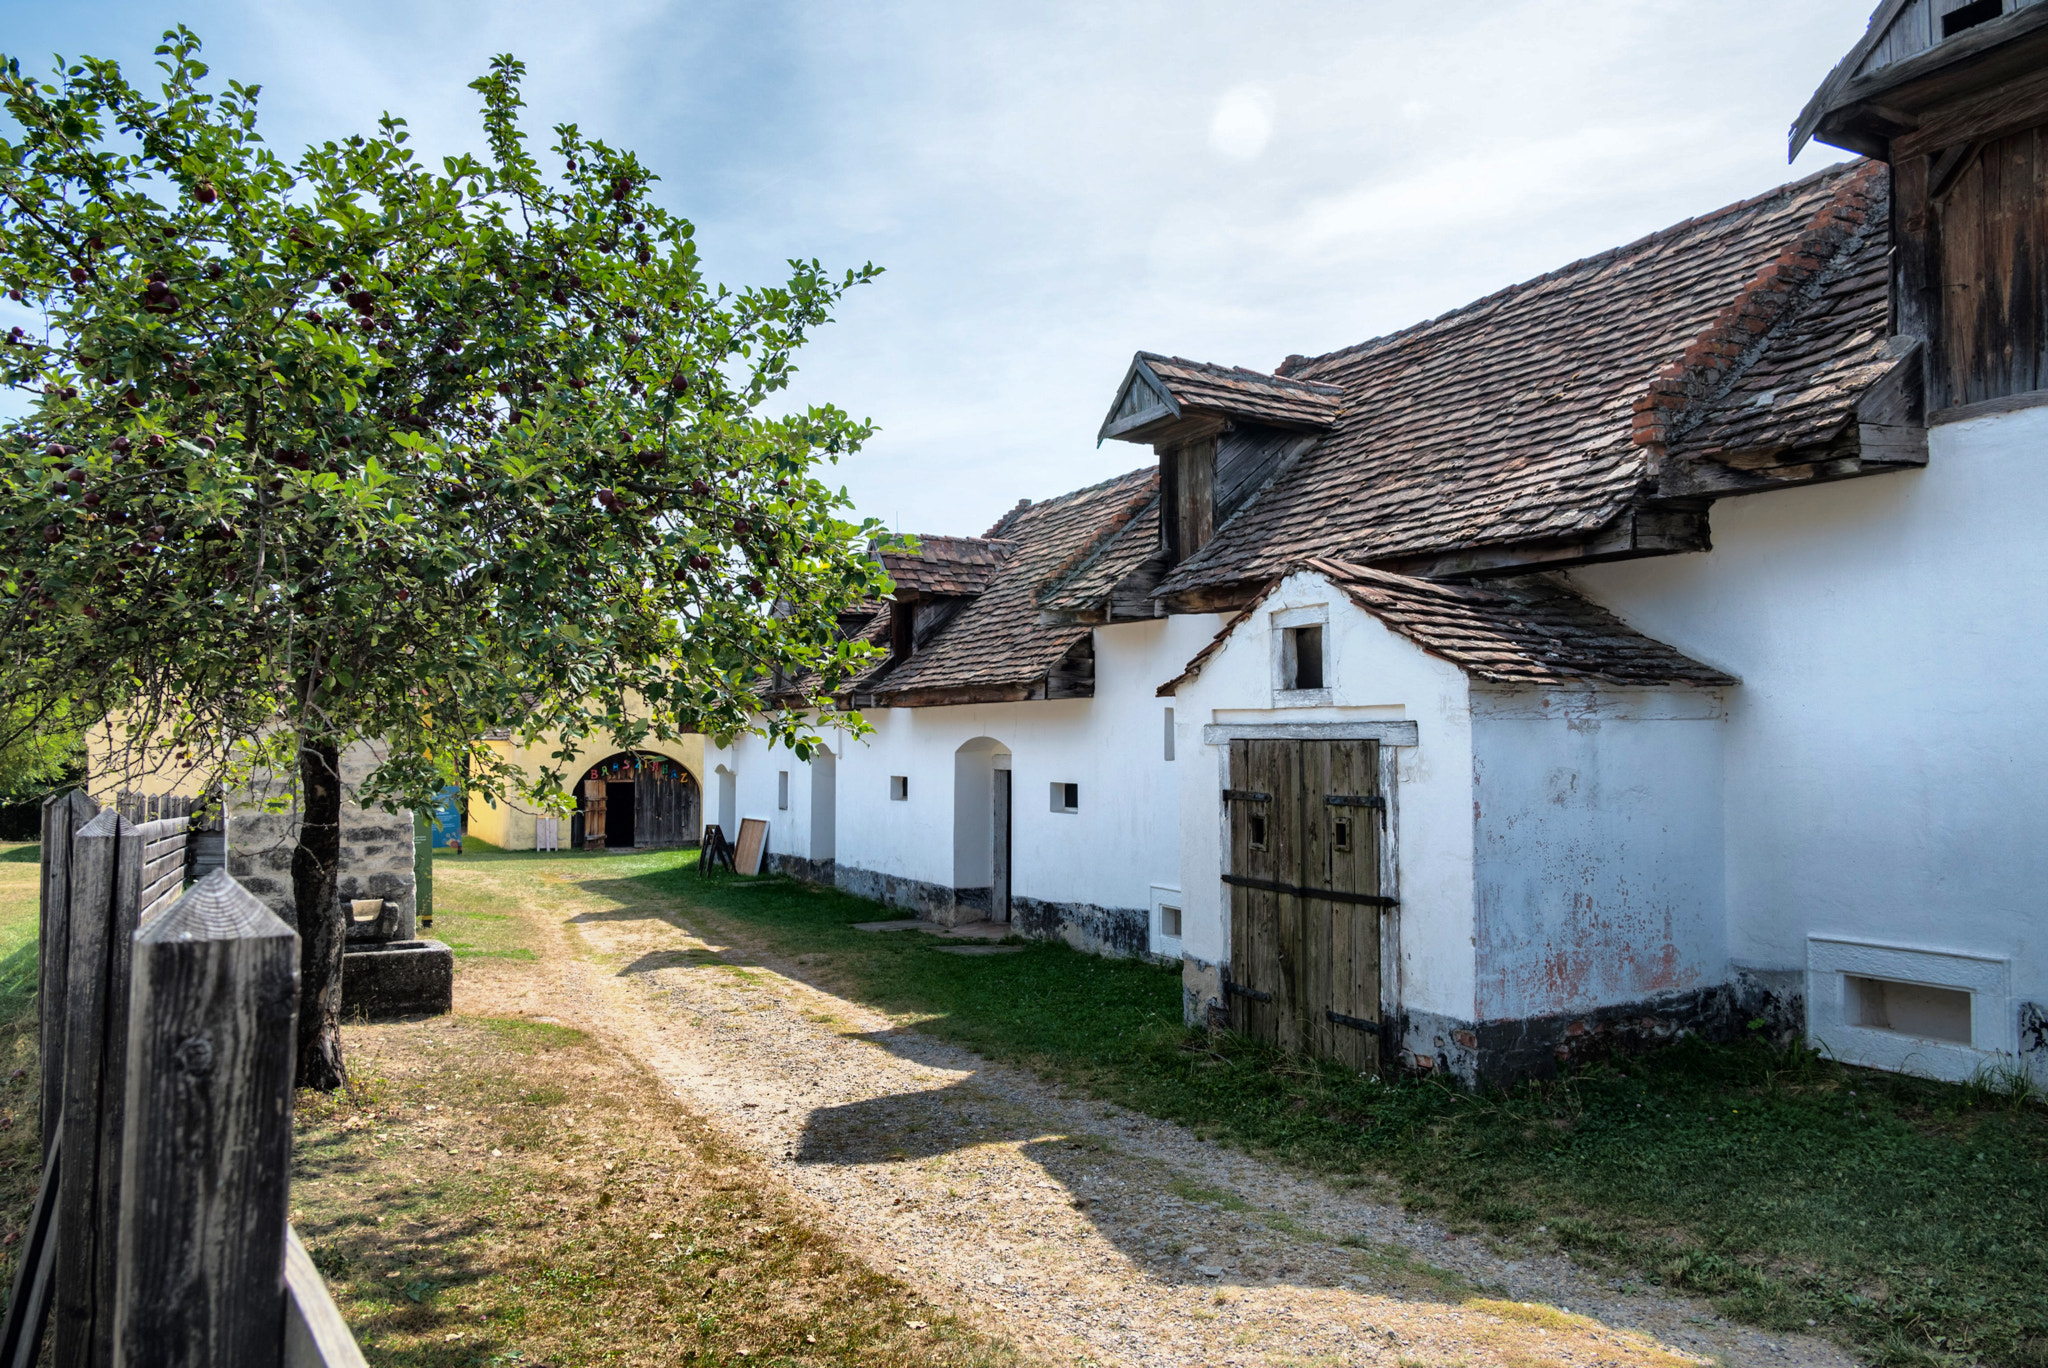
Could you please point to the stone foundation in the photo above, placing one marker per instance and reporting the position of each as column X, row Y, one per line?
column 797, row 867
column 1098, row 930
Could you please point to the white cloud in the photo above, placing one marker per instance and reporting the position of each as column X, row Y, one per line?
column 1243, row 123
column 1052, row 187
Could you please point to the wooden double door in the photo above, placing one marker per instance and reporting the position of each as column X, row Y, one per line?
column 1307, row 823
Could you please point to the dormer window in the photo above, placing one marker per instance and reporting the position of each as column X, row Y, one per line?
column 1970, row 15
column 1219, row 431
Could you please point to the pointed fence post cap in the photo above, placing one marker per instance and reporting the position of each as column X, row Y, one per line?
column 215, row 908
column 108, row 823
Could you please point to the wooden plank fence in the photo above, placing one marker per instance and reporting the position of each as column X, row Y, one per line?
column 160, row 1234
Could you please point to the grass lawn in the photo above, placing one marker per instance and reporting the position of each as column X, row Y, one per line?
column 1908, row 1219
column 498, row 1187
column 20, row 1133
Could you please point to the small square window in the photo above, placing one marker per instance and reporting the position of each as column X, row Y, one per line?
column 1169, row 920
column 782, row 789
column 1305, row 657
column 1066, row 797
column 899, row 788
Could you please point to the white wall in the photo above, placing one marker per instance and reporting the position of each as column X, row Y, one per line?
column 1108, row 854
column 1122, row 841
column 1598, row 853
column 1374, row 675
column 753, row 766
column 1887, row 757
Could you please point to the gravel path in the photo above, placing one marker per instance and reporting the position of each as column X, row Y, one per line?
column 1086, row 1233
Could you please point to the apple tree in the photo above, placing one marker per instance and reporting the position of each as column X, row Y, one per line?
column 348, row 446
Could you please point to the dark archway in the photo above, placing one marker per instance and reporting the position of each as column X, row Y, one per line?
column 636, row 799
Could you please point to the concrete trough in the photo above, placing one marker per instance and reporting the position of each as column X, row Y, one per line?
column 397, row 979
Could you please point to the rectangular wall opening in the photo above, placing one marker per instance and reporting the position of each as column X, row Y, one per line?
column 782, row 790
column 1066, row 797
column 1910, row 1009
column 899, row 787
column 1305, row 657
column 1970, row 15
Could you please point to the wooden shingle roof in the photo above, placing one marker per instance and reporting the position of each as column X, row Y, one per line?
column 1529, row 630
column 1514, row 420
column 998, row 646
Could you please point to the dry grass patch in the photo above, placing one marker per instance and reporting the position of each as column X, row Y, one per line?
column 506, row 1191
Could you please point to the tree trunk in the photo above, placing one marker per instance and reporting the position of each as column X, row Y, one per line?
column 316, row 867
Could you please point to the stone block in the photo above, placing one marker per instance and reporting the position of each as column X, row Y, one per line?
column 397, row 979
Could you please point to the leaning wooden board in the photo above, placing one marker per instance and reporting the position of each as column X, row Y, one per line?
column 753, row 844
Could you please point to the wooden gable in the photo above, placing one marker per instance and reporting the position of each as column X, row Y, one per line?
column 1954, row 94
column 1142, row 402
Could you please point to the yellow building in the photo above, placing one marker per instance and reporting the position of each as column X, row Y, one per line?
column 652, row 795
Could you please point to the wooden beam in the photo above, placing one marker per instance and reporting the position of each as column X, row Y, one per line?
column 1660, row 530
column 78, row 1308
column 1987, row 408
column 1214, row 598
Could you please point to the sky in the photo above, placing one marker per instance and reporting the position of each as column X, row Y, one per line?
column 1053, row 186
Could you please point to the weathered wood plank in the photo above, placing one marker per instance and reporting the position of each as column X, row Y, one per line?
column 63, row 816
column 28, row 1307
column 315, row 1335
column 94, row 855
column 124, row 915
column 206, row 1158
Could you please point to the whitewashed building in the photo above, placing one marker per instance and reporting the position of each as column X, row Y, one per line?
column 1651, row 646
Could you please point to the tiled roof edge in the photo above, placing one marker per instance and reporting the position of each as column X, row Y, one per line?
column 1716, row 359
column 1292, row 367
column 1099, row 545
column 1237, row 619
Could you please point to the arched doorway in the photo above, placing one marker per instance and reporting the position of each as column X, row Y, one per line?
column 728, row 803
column 636, row 799
column 981, row 827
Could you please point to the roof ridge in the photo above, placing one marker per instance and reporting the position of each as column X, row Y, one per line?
column 1274, row 377
column 1293, row 365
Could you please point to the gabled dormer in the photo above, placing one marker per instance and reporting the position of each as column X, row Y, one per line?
column 1220, row 433
column 934, row 581
column 1954, row 95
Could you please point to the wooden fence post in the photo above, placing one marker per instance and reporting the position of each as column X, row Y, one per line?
column 206, row 1160
column 93, row 858
column 63, row 815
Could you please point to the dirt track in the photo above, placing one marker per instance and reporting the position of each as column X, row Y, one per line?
column 1084, row 1233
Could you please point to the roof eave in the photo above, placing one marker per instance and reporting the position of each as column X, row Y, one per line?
column 1847, row 112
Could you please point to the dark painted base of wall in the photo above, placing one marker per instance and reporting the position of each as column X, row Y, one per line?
column 1100, row 930
column 797, row 867
column 1495, row 1053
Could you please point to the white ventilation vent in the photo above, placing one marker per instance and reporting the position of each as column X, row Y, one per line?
column 1931, row 1012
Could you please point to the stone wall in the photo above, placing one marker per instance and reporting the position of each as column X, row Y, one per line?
column 376, row 846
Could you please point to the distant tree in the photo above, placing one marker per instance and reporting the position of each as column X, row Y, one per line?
column 351, row 448
column 38, row 752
